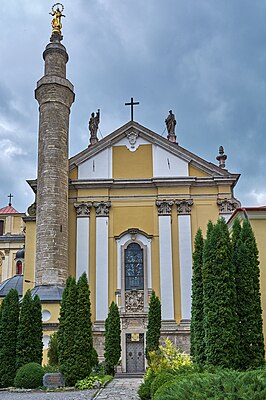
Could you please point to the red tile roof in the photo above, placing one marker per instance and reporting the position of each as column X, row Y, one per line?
column 8, row 210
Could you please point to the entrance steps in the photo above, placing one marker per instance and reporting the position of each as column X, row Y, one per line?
column 127, row 375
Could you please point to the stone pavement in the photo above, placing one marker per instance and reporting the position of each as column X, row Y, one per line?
column 120, row 389
column 80, row 395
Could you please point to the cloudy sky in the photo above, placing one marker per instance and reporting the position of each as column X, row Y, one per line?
column 204, row 59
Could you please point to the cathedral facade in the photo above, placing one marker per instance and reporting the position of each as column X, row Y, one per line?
column 125, row 211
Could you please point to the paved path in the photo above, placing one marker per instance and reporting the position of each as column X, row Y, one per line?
column 81, row 395
column 120, row 389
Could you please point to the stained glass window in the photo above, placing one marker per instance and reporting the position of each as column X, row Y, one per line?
column 134, row 267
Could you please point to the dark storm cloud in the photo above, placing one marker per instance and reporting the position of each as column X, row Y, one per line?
column 204, row 59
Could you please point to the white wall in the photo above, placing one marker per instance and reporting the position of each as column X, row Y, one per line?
column 97, row 167
column 166, row 164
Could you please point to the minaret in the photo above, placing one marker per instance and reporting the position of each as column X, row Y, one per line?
column 55, row 95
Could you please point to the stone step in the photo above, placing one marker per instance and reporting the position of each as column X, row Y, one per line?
column 127, row 375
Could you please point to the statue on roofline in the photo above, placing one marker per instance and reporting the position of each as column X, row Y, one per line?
column 93, row 126
column 57, row 13
column 170, row 125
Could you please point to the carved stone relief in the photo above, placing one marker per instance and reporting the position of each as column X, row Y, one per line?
column 227, row 206
column 134, row 301
column 102, row 208
column 132, row 138
column 83, row 209
column 184, row 206
column 32, row 210
column 164, row 206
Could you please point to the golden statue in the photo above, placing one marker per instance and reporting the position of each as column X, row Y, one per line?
column 57, row 11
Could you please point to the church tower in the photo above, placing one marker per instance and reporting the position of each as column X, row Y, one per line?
column 55, row 95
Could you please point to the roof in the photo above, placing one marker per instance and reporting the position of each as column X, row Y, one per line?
column 152, row 137
column 8, row 210
column 48, row 293
column 16, row 282
column 245, row 210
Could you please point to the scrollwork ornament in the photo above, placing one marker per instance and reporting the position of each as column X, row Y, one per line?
column 227, row 206
column 83, row 209
column 184, row 206
column 134, row 301
column 102, row 208
column 164, row 206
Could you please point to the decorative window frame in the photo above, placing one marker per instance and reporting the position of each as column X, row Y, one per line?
column 123, row 241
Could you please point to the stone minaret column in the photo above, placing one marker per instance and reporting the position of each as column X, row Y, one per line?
column 55, row 96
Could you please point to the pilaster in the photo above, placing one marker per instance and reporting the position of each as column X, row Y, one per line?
column 166, row 267
column 83, row 238
column 185, row 256
column 102, row 214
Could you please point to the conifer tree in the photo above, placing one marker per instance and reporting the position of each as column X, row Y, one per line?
column 251, row 343
column 112, row 346
column 53, row 350
column 62, row 318
column 8, row 338
column 83, row 347
column 37, row 329
column 197, row 336
column 26, row 338
column 67, row 335
column 220, row 317
column 154, row 324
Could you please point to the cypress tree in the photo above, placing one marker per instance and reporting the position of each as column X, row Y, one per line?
column 53, row 350
column 251, row 343
column 62, row 318
column 154, row 325
column 9, row 327
column 67, row 355
column 26, row 339
column 112, row 346
column 37, row 329
column 83, row 336
column 197, row 336
column 220, row 318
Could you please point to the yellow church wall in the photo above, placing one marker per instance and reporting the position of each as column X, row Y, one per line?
column 225, row 190
column 73, row 173
column 259, row 229
column 45, row 351
column 132, row 193
column 195, row 171
column 29, row 262
column 137, row 164
column 203, row 190
column 202, row 211
column 174, row 192
column 17, row 225
column 85, row 194
column 135, row 215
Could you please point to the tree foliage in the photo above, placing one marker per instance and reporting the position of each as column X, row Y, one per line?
column 26, row 343
column 197, row 336
column 251, row 343
column 67, row 327
column 8, row 338
column 83, row 347
column 53, row 350
column 154, row 325
column 112, row 347
column 220, row 317
column 37, row 329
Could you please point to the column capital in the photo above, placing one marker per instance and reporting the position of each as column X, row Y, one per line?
column 227, row 206
column 83, row 209
column 184, row 206
column 102, row 208
column 164, row 206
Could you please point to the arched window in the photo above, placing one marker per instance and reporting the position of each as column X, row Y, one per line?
column 1, row 227
column 134, row 271
column 19, row 267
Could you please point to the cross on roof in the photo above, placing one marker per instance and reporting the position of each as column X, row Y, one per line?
column 132, row 104
column 10, row 199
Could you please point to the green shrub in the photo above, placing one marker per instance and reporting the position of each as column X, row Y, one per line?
column 160, row 379
column 51, row 369
column 29, row 376
column 92, row 381
column 221, row 385
column 144, row 390
column 53, row 349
